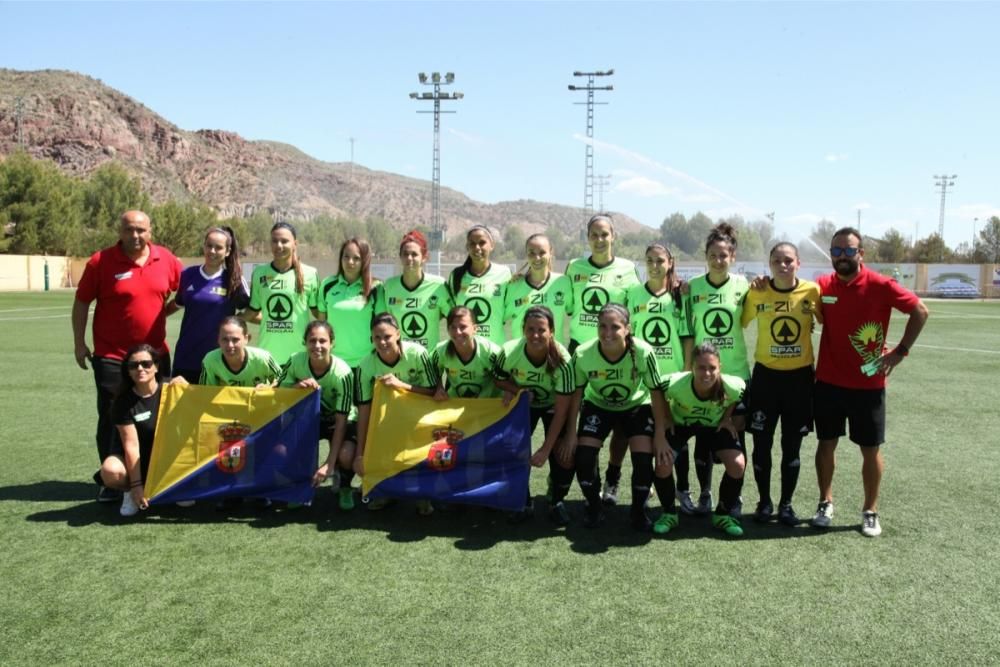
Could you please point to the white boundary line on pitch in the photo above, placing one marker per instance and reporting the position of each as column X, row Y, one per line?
column 956, row 349
column 29, row 310
column 40, row 317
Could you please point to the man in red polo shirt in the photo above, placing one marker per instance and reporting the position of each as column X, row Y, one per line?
column 852, row 368
column 131, row 282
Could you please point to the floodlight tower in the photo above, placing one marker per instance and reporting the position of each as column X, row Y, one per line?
column 588, row 179
column 944, row 182
column 602, row 181
column 436, row 80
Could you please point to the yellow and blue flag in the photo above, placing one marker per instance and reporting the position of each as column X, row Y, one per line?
column 218, row 442
column 465, row 450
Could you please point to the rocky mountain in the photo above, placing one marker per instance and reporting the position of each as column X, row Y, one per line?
column 80, row 123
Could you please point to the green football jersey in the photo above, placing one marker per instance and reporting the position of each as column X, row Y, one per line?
column 484, row 296
column 336, row 384
column 350, row 315
column 514, row 364
column 284, row 312
column 715, row 313
column 661, row 322
column 556, row 294
column 467, row 380
column 593, row 288
column 259, row 367
column 689, row 410
column 419, row 311
column 413, row 367
column 617, row 385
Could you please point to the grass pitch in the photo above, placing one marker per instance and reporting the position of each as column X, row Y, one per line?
column 80, row 585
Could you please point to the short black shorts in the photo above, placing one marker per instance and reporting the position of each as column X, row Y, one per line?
column 544, row 415
column 597, row 422
column 326, row 424
column 862, row 409
column 742, row 408
column 716, row 440
column 784, row 394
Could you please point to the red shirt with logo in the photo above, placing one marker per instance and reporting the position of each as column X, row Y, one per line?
column 130, row 298
column 855, row 325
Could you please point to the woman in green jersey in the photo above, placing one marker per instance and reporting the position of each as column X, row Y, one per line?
column 397, row 364
column 317, row 369
column 479, row 284
column 597, row 281
column 349, row 299
column 658, row 317
column 715, row 308
column 235, row 363
column 466, row 361
column 418, row 300
column 536, row 362
column 283, row 295
column 536, row 284
column 785, row 309
column 702, row 402
column 618, row 387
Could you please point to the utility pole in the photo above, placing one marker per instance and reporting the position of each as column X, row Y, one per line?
column 19, row 116
column 943, row 182
column 588, row 178
column 436, row 80
column 602, row 180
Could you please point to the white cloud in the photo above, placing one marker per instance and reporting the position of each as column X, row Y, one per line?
column 836, row 157
column 971, row 211
column 645, row 187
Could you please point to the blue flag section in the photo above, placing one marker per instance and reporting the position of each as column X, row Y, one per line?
column 470, row 451
column 214, row 443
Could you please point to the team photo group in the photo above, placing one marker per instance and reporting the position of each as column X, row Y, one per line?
column 659, row 370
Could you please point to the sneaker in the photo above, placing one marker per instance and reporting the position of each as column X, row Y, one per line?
column 737, row 510
column 610, row 495
column 345, row 498
column 666, row 523
column 704, row 502
column 376, row 504
column 727, row 524
column 424, row 508
column 185, row 503
column 641, row 521
column 558, row 514
column 108, row 495
column 787, row 516
column 870, row 526
column 515, row 518
column 129, row 508
column 593, row 516
column 685, row 502
column 261, row 503
column 765, row 512
column 824, row 515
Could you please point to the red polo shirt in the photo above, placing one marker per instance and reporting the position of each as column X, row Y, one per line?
column 855, row 325
column 130, row 298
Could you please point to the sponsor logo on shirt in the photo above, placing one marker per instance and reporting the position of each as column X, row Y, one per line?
column 123, row 276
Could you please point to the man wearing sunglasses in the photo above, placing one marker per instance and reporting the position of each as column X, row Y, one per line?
column 130, row 282
column 852, row 368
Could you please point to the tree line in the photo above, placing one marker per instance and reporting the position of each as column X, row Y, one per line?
column 45, row 211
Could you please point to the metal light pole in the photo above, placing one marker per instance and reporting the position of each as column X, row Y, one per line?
column 943, row 182
column 436, row 80
column 588, row 178
column 602, row 180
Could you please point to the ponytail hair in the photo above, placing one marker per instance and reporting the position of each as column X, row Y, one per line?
column 238, row 321
column 718, row 393
column 622, row 313
column 672, row 283
column 300, row 281
column 318, row 324
column 453, row 314
column 722, row 232
column 527, row 264
column 553, row 359
column 232, row 268
column 459, row 273
column 365, row 251
column 598, row 217
column 388, row 318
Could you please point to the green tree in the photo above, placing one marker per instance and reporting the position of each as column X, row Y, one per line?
column 822, row 233
column 989, row 241
column 109, row 192
column 181, row 226
column 382, row 238
column 892, row 247
column 258, row 238
column 42, row 204
column 931, row 250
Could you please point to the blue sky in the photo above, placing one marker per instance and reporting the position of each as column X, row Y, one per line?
column 809, row 110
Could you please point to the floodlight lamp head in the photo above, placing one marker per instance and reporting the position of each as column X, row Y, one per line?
column 449, row 77
column 578, row 73
column 459, row 96
column 422, row 77
column 436, row 77
column 414, row 96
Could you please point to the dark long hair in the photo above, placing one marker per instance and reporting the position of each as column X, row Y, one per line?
column 387, row 318
column 453, row 314
column 723, row 232
column 622, row 312
column 318, row 324
column 459, row 272
column 126, row 382
column 365, row 251
column 672, row 283
column 718, row 393
column 300, row 281
column 232, row 268
column 553, row 359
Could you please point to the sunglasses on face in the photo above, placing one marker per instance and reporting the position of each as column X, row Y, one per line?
column 142, row 363
column 846, row 252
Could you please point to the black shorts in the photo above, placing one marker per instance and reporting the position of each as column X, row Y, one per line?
column 784, row 394
column 597, row 422
column 117, row 450
column 709, row 436
column 327, row 423
column 862, row 409
column 742, row 408
column 545, row 415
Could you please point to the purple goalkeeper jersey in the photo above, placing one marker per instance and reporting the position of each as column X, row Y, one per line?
column 206, row 302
